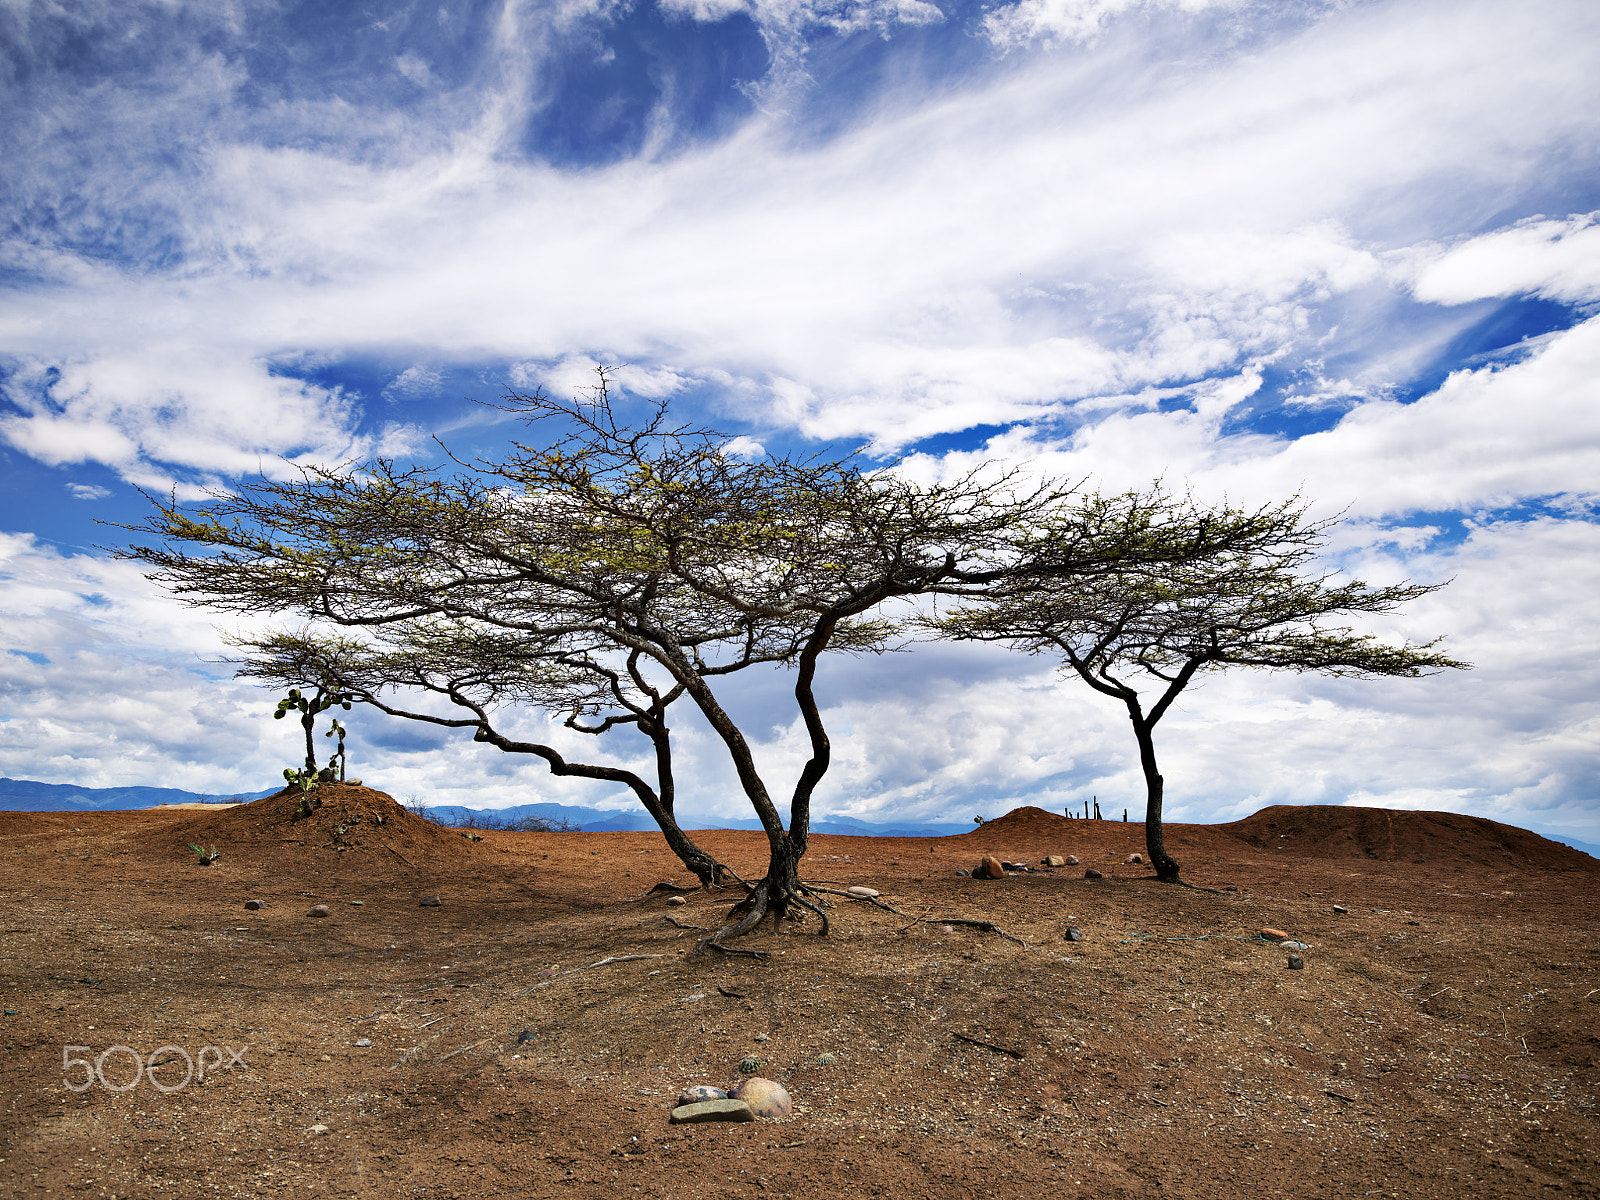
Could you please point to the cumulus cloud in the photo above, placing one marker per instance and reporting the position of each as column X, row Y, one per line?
column 1559, row 260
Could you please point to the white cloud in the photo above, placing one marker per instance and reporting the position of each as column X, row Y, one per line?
column 1052, row 21
column 1487, row 438
column 416, row 380
column 414, row 69
column 88, row 491
column 1559, row 260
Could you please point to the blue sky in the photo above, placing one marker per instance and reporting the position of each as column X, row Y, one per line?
column 1345, row 249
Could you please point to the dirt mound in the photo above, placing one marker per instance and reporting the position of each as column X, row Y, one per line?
column 352, row 824
column 1025, row 824
column 1340, row 831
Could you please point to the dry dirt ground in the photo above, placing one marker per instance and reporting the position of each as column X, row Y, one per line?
column 1440, row 1041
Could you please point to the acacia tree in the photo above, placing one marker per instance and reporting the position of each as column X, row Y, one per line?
column 642, row 562
column 1259, row 602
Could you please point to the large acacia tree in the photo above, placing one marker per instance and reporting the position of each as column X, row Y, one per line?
column 615, row 568
column 1260, row 601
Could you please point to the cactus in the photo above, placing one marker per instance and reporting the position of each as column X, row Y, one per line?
column 206, row 857
column 339, row 753
column 308, row 707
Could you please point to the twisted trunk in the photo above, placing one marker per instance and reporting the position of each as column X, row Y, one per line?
column 1154, row 843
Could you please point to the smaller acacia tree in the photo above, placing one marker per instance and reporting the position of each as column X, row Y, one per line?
column 480, row 672
column 1257, row 603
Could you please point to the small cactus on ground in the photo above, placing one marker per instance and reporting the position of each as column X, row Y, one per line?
column 750, row 1064
column 206, row 857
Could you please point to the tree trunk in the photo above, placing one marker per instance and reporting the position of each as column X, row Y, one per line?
column 1155, row 845
column 308, row 721
column 777, row 893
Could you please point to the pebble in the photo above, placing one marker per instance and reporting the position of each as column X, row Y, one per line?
column 947, row 930
column 865, row 893
column 318, row 910
column 363, row 1041
column 765, row 1098
column 990, row 868
column 357, row 903
column 1339, row 908
column 255, row 905
column 430, row 902
column 963, row 873
column 320, row 1130
column 711, row 1110
column 1071, row 860
column 1135, row 858
column 675, row 900
column 761, row 1037
column 700, row 1093
column 1274, row 935
column 1296, row 963
column 1054, row 860
column 1073, row 934
column 527, row 1035
column 1291, row 944
column 1091, row 873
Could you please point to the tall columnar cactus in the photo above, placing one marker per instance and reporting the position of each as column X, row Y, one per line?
column 308, row 707
column 338, row 754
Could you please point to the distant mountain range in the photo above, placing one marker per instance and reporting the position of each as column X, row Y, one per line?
column 27, row 795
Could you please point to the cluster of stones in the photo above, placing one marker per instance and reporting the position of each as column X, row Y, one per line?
column 1285, row 942
column 998, row 868
column 754, row 1098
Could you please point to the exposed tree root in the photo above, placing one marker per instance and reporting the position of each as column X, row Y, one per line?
column 961, row 1037
column 709, row 944
column 604, row 962
column 682, row 925
column 987, row 926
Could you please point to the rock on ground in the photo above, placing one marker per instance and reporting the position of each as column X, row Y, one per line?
column 765, row 1097
column 989, row 868
column 711, row 1110
column 700, row 1093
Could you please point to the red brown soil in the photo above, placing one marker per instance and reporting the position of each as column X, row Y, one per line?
column 1440, row 1042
